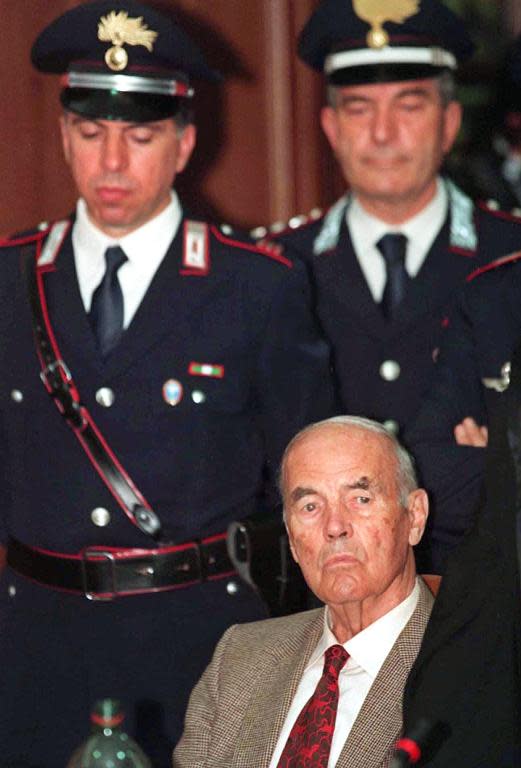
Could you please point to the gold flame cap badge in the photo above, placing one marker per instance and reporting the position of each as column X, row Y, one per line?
column 377, row 12
column 118, row 29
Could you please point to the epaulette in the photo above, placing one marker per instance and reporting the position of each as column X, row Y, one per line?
column 510, row 258
column 25, row 238
column 227, row 236
column 281, row 227
column 492, row 207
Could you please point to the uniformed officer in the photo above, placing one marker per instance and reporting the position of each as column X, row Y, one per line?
column 387, row 258
column 181, row 359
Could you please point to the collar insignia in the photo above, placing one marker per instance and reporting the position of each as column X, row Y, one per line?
column 377, row 12
column 118, row 29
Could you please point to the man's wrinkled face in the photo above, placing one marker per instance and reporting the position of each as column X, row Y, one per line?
column 348, row 529
column 124, row 171
column 390, row 138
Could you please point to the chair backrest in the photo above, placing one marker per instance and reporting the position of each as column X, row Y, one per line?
column 433, row 581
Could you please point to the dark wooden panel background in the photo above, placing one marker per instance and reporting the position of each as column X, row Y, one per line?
column 261, row 156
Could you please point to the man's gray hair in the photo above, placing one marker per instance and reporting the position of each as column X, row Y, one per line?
column 405, row 472
column 446, row 84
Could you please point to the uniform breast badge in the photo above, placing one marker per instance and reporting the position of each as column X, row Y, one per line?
column 118, row 29
column 172, row 392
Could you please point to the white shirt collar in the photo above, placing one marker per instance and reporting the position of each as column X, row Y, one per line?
column 145, row 249
column 424, row 225
column 421, row 231
column 370, row 647
column 156, row 234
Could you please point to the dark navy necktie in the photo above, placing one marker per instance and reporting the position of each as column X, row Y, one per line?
column 393, row 248
column 106, row 312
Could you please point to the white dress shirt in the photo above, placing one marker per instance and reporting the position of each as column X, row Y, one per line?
column 367, row 652
column 421, row 231
column 145, row 249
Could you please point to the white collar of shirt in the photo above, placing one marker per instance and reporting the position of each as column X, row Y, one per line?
column 145, row 249
column 421, row 231
column 370, row 647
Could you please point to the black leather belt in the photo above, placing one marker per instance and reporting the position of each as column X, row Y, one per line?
column 103, row 573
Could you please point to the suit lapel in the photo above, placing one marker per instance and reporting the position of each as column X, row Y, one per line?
column 171, row 302
column 68, row 317
column 441, row 271
column 379, row 721
column 156, row 315
column 271, row 698
column 339, row 276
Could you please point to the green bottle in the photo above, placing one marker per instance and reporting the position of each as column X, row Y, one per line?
column 108, row 746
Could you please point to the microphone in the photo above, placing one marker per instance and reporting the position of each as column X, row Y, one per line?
column 423, row 739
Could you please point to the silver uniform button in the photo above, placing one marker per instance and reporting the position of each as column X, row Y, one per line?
column 392, row 426
column 258, row 233
column 16, row 395
column 105, row 397
column 100, row 517
column 390, row 370
column 198, row 396
column 232, row 587
column 297, row 221
column 11, row 590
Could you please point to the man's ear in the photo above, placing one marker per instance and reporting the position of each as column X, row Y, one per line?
column 329, row 123
column 187, row 142
column 451, row 125
column 66, row 142
column 418, row 511
column 291, row 545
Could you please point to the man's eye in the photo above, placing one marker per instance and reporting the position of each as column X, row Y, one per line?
column 411, row 105
column 363, row 499
column 354, row 108
column 310, row 507
column 142, row 138
column 89, row 133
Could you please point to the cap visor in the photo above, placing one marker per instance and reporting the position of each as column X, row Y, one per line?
column 117, row 105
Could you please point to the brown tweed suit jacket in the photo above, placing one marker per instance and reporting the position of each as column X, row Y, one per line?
column 237, row 709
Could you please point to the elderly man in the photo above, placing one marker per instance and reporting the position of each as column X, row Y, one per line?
column 275, row 689
column 167, row 346
column 387, row 259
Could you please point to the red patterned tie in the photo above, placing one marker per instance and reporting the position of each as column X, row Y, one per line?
column 309, row 743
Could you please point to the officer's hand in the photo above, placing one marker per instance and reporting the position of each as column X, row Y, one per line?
column 470, row 433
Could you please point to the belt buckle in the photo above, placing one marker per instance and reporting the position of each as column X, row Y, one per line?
column 50, row 370
column 57, row 381
column 91, row 554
